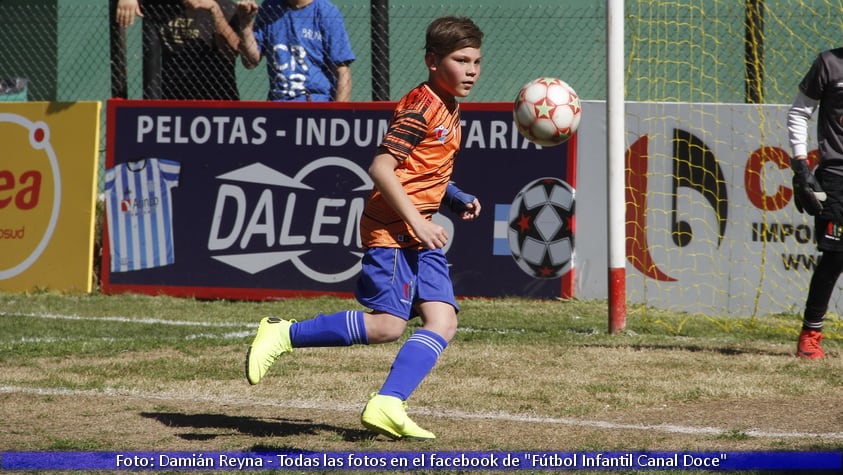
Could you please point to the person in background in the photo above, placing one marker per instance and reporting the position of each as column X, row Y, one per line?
column 404, row 272
column 127, row 10
column 819, row 193
column 308, row 53
column 190, row 47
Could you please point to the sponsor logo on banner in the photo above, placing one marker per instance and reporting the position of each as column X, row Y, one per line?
column 30, row 193
column 696, row 169
column 710, row 226
column 270, row 227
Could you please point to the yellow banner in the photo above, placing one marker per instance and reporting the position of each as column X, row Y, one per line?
column 48, row 182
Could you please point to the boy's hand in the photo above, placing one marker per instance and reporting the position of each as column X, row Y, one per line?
column 200, row 4
column 247, row 10
column 807, row 193
column 465, row 205
column 472, row 210
column 431, row 235
column 127, row 10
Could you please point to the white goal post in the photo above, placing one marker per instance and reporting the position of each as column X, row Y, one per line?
column 616, row 230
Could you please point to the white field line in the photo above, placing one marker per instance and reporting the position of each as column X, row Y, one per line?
column 149, row 321
column 159, row 321
column 498, row 416
column 193, row 336
column 153, row 321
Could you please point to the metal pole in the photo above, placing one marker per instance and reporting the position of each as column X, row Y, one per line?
column 380, row 49
column 754, row 51
column 151, row 51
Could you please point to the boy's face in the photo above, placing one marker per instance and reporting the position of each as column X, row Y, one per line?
column 454, row 74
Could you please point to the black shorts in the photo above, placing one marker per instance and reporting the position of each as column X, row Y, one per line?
column 828, row 225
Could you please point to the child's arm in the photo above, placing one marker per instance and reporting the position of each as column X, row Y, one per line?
column 463, row 204
column 250, row 55
column 382, row 171
column 126, row 12
column 225, row 38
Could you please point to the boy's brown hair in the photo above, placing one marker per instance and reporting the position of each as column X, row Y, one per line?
column 448, row 34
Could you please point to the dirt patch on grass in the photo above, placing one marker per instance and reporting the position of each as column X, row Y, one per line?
column 91, row 420
column 554, row 398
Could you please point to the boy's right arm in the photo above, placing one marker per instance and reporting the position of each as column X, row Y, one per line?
column 798, row 115
column 382, row 171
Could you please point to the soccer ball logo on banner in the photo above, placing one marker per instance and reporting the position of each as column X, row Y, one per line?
column 540, row 228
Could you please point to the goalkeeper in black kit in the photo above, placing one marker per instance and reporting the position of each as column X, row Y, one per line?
column 820, row 193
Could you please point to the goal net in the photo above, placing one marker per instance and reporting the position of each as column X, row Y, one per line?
column 710, row 223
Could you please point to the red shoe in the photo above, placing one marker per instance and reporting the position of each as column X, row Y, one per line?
column 810, row 345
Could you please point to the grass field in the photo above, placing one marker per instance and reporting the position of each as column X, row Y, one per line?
column 140, row 373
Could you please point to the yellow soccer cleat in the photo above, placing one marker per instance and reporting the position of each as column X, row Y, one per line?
column 271, row 341
column 387, row 415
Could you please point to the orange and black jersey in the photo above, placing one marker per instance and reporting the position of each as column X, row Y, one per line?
column 424, row 136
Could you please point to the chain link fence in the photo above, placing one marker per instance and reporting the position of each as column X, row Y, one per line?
column 706, row 50
column 62, row 48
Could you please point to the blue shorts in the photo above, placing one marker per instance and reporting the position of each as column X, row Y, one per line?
column 394, row 280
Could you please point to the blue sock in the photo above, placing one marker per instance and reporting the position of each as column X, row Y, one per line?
column 344, row 328
column 414, row 361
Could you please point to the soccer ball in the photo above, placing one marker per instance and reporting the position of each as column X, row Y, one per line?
column 547, row 111
column 540, row 228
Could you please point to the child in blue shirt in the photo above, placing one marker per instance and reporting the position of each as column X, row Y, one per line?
column 307, row 49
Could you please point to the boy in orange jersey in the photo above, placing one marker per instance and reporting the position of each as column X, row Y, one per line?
column 405, row 272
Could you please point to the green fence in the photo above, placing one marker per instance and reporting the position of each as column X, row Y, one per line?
column 678, row 51
column 704, row 50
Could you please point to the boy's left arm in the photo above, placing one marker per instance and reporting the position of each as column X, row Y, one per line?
column 463, row 204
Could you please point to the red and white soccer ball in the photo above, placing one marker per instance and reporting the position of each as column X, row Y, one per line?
column 547, row 111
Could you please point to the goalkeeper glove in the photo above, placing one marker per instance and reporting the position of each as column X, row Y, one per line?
column 457, row 200
column 807, row 193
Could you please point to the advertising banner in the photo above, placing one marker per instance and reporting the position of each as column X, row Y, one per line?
column 710, row 223
column 48, row 179
column 262, row 200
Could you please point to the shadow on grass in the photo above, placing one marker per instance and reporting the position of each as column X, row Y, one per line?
column 250, row 426
column 723, row 350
